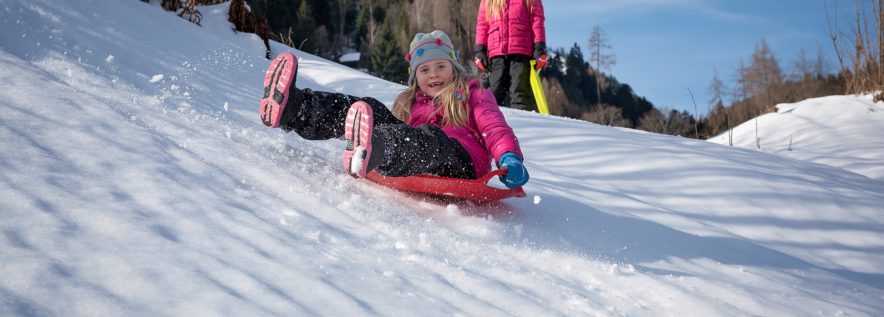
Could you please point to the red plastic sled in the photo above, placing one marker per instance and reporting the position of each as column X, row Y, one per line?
column 475, row 190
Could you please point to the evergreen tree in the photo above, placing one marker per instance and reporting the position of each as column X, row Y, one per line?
column 321, row 11
column 306, row 28
column 577, row 79
column 281, row 15
column 555, row 64
column 625, row 99
column 387, row 61
column 360, row 33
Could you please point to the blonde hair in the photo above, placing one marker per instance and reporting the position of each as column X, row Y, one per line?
column 453, row 100
column 494, row 8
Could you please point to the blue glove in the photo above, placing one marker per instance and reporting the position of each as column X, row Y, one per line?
column 516, row 174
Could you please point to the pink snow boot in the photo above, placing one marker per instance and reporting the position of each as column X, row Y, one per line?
column 278, row 79
column 358, row 132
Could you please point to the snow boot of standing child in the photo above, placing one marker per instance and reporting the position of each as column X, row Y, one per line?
column 279, row 86
column 363, row 152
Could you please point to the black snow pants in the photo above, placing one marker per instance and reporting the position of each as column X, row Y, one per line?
column 511, row 74
column 408, row 151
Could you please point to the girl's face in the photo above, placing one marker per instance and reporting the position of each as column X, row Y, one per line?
column 434, row 75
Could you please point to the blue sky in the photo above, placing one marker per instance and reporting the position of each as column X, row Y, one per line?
column 664, row 47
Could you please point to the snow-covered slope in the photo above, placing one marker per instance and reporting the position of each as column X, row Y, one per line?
column 137, row 179
column 840, row 131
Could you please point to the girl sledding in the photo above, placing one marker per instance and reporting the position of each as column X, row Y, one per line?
column 443, row 124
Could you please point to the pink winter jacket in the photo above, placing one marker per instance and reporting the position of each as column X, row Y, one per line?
column 515, row 32
column 486, row 135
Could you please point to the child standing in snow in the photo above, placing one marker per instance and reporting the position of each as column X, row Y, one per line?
column 444, row 123
column 509, row 33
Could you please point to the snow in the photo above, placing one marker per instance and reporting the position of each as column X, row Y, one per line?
column 125, row 195
column 156, row 78
column 356, row 165
column 836, row 130
column 350, row 57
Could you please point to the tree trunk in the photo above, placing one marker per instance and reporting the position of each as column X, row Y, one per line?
column 598, row 73
column 342, row 18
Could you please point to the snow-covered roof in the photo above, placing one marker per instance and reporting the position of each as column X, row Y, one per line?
column 350, row 57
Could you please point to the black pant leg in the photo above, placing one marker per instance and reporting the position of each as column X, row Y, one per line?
column 319, row 115
column 423, row 150
column 499, row 79
column 521, row 96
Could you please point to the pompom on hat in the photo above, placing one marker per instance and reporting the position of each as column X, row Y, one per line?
column 426, row 47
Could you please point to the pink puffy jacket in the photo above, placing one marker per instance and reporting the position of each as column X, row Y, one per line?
column 486, row 135
column 515, row 32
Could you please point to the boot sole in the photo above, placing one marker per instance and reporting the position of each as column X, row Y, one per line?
column 357, row 132
column 277, row 78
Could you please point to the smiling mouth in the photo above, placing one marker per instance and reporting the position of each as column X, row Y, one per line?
column 434, row 85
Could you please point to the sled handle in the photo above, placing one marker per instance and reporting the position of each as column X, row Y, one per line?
column 487, row 177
